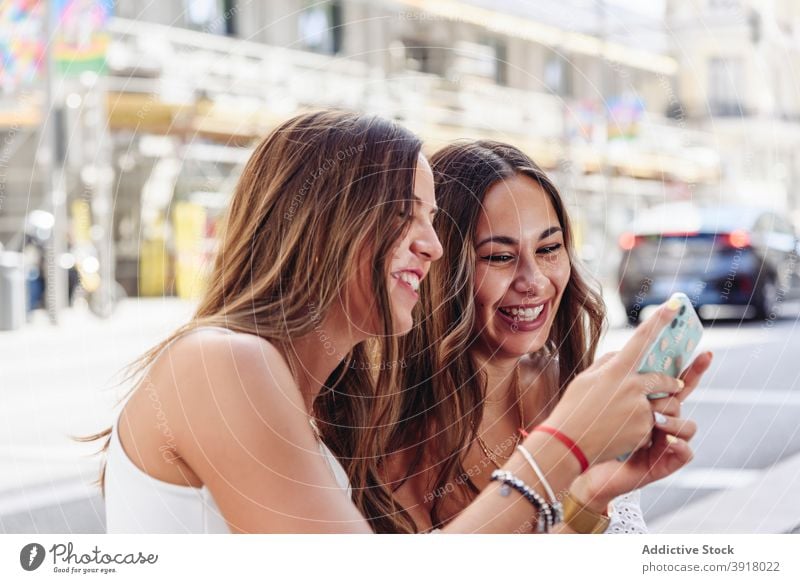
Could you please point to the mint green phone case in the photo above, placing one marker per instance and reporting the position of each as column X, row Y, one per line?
column 672, row 351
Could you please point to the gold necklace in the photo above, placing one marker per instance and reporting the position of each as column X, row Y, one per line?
column 521, row 431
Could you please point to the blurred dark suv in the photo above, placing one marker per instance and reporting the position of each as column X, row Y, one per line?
column 730, row 260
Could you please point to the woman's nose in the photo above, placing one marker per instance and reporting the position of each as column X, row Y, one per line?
column 427, row 244
column 530, row 280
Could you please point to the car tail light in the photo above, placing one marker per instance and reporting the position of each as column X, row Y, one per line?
column 738, row 239
column 627, row 241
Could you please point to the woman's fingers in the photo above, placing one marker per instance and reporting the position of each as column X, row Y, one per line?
column 679, row 447
column 668, row 406
column 665, row 456
column 654, row 382
column 675, row 426
column 694, row 373
column 631, row 355
column 674, row 455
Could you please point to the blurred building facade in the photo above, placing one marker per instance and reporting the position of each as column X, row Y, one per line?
column 597, row 95
column 737, row 79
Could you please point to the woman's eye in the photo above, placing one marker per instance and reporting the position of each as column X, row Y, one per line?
column 550, row 249
column 502, row 258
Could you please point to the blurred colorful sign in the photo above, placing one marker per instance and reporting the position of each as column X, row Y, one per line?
column 624, row 114
column 81, row 36
column 22, row 33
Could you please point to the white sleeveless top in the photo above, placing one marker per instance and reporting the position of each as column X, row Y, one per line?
column 137, row 503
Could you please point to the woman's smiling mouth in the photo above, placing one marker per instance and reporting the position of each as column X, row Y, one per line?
column 524, row 317
column 410, row 279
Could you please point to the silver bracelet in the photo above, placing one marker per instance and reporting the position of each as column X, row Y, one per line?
column 555, row 504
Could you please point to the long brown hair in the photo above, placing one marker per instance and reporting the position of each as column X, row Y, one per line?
column 319, row 192
column 444, row 391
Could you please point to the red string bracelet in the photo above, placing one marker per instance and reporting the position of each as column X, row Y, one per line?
column 571, row 445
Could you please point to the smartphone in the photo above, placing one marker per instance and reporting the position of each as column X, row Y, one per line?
column 673, row 349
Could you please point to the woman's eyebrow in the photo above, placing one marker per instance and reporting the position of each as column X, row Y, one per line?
column 547, row 232
column 505, row 240
column 502, row 239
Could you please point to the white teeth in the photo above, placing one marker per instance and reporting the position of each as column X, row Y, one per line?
column 411, row 279
column 524, row 314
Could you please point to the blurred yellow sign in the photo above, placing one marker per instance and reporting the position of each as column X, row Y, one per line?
column 190, row 227
column 81, row 222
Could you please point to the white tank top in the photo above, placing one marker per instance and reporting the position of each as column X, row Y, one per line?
column 137, row 503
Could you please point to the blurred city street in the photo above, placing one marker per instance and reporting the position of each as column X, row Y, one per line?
column 58, row 382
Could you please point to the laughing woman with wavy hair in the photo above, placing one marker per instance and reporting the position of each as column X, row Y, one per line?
column 511, row 320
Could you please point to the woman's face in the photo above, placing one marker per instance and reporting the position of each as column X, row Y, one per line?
column 522, row 268
column 413, row 255
column 409, row 264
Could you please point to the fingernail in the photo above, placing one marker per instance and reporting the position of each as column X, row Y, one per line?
column 671, row 439
column 660, row 419
column 681, row 384
column 673, row 304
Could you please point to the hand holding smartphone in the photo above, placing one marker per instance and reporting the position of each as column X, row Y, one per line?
column 673, row 349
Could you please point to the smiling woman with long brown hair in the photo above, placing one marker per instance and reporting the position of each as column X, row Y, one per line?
column 512, row 320
column 272, row 409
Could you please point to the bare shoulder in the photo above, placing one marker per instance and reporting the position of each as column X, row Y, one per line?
column 241, row 427
column 213, row 360
column 212, row 347
column 209, row 381
column 184, row 391
column 213, row 368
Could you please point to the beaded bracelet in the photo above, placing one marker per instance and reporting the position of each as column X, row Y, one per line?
column 545, row 513
column 555, row 504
